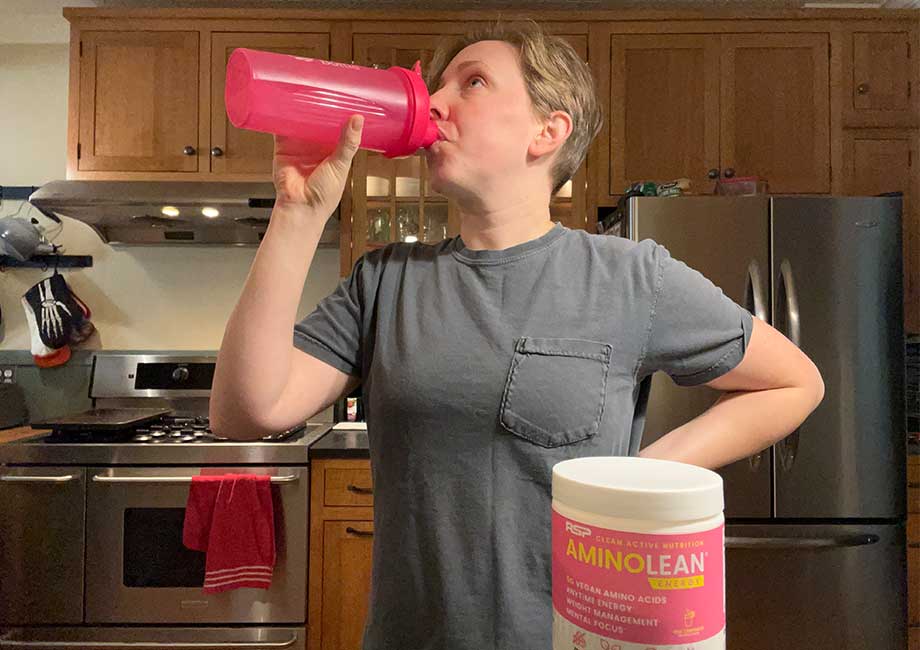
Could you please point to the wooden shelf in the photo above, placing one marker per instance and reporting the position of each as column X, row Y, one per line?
column 48, row 262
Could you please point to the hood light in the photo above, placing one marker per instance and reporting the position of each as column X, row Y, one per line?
column 170, row 211
column 210, row 213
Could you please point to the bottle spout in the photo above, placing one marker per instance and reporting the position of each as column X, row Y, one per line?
column 431, row 135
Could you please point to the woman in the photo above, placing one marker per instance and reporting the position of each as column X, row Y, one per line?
column 487, row 358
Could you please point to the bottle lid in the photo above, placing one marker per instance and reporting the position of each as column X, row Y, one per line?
column 420, row 131
column 638, row 488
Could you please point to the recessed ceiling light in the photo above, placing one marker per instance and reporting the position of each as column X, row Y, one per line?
column 210, row 213
column 170, row 211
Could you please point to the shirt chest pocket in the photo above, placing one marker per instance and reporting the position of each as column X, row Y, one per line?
column 556, row 390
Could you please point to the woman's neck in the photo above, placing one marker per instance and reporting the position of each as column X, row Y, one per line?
column 505, row 226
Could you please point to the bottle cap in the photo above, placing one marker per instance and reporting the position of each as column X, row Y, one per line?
column 420, row 131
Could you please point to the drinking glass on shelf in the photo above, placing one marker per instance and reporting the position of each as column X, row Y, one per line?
column 407, row 223
column 378, row 225
column 435, row 222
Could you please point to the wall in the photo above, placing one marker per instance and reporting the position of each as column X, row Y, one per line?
column 141, row 297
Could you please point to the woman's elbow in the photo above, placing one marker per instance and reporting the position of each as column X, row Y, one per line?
column 814, row 384
column 231, row 423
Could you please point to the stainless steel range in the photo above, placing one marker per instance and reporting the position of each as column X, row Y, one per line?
column 91, row 539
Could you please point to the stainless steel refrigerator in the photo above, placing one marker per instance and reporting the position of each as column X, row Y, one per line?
column 815, row 534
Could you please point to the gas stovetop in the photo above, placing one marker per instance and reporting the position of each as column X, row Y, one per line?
column 180, row 385
column 165, row 447
column 169, row 429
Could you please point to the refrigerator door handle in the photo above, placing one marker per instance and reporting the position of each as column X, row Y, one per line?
column 755, row 302
column 791, row 325
column 782, row 543
column 754, row 299
column 788, row 322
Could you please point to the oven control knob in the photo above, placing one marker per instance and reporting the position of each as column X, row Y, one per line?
column 180, row 374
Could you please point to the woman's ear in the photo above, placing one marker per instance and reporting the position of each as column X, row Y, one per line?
column 556, row 129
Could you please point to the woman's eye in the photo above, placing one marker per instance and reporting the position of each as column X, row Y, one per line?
column 474, row 79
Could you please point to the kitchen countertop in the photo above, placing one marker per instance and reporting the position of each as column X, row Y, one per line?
column 341, row 443
column 18, row 433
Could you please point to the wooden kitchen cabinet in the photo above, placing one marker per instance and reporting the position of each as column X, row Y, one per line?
column 341, row 540
column 775, row 110
column 147, row 100
column 702, row 106
column 664, row 109
column 238, row 151
column 885, row 73
column 881, row 160
column 391, row 197
column 138, row 101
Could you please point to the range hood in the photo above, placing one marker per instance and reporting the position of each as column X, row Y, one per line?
column 132, row 212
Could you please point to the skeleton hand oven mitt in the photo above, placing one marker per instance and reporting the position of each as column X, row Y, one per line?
column 57, row 318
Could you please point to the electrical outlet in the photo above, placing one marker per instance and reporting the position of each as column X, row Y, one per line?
column 7, row 375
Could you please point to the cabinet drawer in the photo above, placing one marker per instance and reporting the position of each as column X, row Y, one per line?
column 348, row 487
column 914, row 638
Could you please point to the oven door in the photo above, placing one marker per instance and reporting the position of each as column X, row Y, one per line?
column 138, row 571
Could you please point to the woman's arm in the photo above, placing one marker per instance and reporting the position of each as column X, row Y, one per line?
column 262, row 383
column 767, row 396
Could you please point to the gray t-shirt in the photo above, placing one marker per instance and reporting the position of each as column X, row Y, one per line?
column 481, row 370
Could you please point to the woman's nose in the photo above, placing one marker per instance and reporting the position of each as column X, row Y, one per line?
column 438, row 107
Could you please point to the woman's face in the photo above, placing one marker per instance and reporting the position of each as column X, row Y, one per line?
column 486, row 120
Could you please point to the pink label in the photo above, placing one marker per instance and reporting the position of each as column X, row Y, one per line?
column 637, row 587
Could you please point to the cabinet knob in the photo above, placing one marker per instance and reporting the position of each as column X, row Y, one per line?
column 862, row 89
column 729, row 173
column 217, row 152
column 189, row 150
column 713, row 173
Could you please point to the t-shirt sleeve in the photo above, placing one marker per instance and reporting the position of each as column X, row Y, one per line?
column 334, row 331
column 695, row 332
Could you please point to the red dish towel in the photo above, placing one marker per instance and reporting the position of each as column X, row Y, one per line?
column 230, row 517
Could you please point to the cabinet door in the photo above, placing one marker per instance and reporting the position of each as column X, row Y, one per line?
column 238, row 151
column 346, row 582
column 775, row 110
column 881, row 84
column 138, row 101
column 878, row 161
column 664, row 109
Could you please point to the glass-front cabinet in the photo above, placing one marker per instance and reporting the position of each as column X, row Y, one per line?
column 392, row 199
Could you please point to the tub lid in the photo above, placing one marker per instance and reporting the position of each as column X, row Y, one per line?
column 638, row 488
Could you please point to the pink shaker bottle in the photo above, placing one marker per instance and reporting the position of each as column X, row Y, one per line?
column 311, row 99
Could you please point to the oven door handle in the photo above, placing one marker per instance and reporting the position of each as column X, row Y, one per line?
column 78, row 645
column 100, row 478
column 66, row 478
